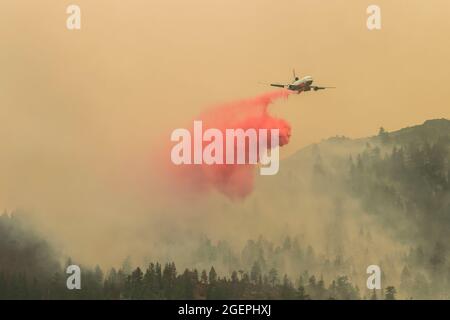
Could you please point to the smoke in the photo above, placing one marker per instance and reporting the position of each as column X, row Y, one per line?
column 234, row 180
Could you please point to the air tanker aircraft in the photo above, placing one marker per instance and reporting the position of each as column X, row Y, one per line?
column 299, row 85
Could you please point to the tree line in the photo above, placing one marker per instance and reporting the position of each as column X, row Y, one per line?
column 163, row 282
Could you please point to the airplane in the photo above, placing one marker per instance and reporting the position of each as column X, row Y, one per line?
column 299, row 85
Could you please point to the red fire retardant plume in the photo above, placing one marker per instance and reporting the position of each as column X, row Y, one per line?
column 233, row 180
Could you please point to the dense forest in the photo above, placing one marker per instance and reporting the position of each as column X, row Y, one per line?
column 29, row 271
column 408, row 189
column 400, row 179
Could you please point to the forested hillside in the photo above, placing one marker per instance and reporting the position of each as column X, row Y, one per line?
column 345, row 204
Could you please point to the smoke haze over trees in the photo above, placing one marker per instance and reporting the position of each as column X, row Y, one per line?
column 308, row 233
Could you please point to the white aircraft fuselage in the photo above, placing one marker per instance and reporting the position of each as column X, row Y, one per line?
column 303, row 84
column 299, row 85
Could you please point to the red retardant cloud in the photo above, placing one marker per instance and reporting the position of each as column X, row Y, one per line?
column 233, row 180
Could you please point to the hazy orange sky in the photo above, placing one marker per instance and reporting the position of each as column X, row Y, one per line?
column 136, row 61
column 75, row 104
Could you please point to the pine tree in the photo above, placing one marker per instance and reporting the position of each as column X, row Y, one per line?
column 273, row 277
column 204, row 277
column 255, row 273
column 212, row 276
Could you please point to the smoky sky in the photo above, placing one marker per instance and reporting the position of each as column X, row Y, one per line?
column 81, row 110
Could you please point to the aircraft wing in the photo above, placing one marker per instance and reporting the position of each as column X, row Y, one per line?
column 279, row 85
column 315, row 88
